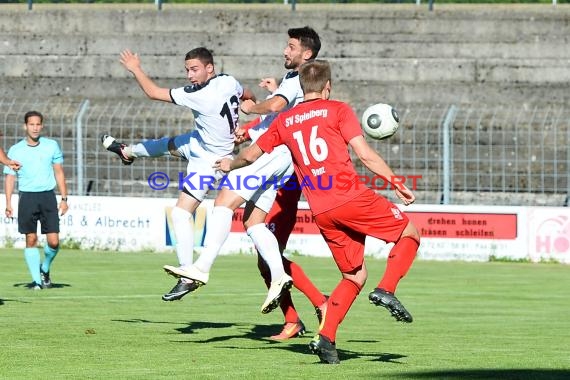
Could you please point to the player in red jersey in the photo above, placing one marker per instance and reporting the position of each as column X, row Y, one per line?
column 318, row 132
column 303, row 44
column 281, row 220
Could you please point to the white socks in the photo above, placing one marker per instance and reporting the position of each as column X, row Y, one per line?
column 137, row 150
column 268, row 247
column 263, row 239
column 220, row 225
column 184, row 231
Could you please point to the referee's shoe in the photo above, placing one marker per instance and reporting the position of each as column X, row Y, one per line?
column 46, row 280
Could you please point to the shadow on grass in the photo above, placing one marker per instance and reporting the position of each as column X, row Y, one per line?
column 193, row 326
column 303, row 348
column 344, row 355
column 480, row 374
column 301, row 345
column 6, row 300
column 389, row 358
column 184, row 330
column 30, row 285
column 261, row 333
column 258, row 332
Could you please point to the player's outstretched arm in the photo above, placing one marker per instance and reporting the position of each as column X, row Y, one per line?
column 248, row 94
column 4, row 160
column 376, row 164
column 246, row 157
column 132, row 63
column 273, row 104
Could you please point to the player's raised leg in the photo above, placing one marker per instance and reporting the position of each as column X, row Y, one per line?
column 149, row 148
column 120, row 149
column 399, row 261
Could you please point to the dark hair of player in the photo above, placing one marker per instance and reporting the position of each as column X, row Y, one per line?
column 308, row 38
column 201, row 53
column 33, row 113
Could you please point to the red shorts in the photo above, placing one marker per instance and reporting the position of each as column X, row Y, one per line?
column 346, row 227
column 283, row 214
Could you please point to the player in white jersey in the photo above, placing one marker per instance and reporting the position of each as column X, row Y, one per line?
column 257, row 185
column 214, row 100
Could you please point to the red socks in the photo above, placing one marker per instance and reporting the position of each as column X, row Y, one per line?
column 303, row 283
column 400, row 260
column 338, row 305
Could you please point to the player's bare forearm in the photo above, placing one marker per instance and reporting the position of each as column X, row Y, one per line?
column 62, row 186
column 238, row 162
column 246, row 157
column 131, row 62
column 405, row 194
column 368, row 156
column 9, row 182
column 274, row 104
column 226, row 165
column 151, row 89
column 3, row 158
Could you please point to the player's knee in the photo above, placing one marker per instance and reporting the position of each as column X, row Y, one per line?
column 31, row 240
column 358, row 276
column 251, row 222
column 53, row 243
column 361, row 278
column 180, row 215
column 227, row 198
column 411, row 232
column 172, row 148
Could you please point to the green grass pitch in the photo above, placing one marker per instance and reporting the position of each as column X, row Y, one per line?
column 105, row 320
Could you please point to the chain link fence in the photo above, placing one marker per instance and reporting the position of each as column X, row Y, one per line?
column 493, row 155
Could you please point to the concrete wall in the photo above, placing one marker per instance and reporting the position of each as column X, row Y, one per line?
column 392, row 53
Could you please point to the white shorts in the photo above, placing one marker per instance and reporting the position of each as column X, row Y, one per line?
column 201, row 177
column 260, row 181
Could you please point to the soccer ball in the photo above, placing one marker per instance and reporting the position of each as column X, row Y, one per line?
column 380, row 121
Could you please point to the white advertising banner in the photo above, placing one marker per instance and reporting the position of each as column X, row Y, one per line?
column 549, row 234
column 468, row 233
column 106, row 223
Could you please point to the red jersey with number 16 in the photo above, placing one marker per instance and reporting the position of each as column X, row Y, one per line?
column 317, row 133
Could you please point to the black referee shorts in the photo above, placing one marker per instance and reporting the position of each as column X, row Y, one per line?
column 34, row 207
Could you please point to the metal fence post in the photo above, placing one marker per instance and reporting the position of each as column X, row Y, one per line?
column 447, row 122
column 567, row 200
column 79, row 144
